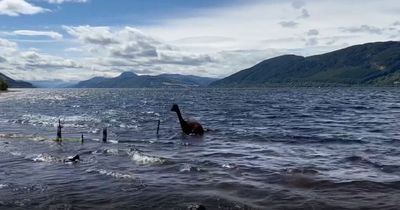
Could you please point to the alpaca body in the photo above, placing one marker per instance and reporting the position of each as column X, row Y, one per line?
column 188, row 127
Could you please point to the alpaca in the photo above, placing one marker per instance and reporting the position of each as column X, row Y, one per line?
column 188, row 127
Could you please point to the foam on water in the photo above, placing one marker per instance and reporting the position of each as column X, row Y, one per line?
column 188, row 168
column 143, row 159
column 114, row 174
column 43, row 158
column 77, row 121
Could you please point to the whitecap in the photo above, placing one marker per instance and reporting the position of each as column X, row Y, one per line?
column 112, row 151
column 78, row 121
column 16, row 153
column 228, row 165
column 141, row 158
column 43, row 158
column 188, row 168
column 113, row 141
column 114, row 174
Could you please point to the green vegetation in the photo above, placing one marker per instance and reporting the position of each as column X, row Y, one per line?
column 14, row 83
column 3, row 85
column 131, row 80
column 375, row 64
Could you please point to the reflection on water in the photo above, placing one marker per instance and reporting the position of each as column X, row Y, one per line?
column 305, row 148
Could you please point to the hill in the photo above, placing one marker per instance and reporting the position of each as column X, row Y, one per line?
column 131, row 80
column 15, row 83
column 368, row 64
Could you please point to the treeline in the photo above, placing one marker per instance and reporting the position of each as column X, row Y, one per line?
column 3, row 85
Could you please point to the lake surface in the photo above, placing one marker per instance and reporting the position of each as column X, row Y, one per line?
column 283, row 148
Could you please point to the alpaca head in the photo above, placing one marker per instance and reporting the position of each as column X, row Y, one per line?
column 175, row 108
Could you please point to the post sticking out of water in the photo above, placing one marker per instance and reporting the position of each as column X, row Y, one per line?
column 105, row 134
column 158, row 127
column 59, row 127
column 82, row 138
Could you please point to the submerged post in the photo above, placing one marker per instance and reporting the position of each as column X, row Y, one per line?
column 105, row 134
column 59, row 127
column 158, row 127
column 82, row 138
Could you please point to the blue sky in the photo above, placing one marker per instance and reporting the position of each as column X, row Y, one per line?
column 79, row 39
column 106, row 12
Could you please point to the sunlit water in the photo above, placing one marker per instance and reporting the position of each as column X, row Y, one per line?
column 282, row 148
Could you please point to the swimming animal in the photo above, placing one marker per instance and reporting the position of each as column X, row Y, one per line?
column 188, row 127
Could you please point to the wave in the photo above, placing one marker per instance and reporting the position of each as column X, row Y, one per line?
column 48, row 158
column 43, row 158
column 301, row 170
column 312, row 139
column 3, row 186
column 189, row 168
column 382, row 167
column 229, row 165
column 114, row 174
column 110, row 151
column 76, row 121
column 143, row 159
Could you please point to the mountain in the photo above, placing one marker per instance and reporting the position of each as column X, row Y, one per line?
column 367, row 64
column 15, row 83
column 56, row 83
column 132, row 80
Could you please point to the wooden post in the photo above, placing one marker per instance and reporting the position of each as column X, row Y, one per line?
column 59, row 127
column 105, row 134
column 158, row 127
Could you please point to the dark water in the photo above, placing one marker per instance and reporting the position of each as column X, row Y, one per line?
column 265, row 149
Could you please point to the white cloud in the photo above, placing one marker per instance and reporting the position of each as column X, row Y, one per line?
column 220, row 41
column 51, row 34
column 19, row 7
column 34, row 65
column 33, row 59
column 73, row 49
column 4, row 43
column 130, row 48
column 92, row 35
column 64, row 1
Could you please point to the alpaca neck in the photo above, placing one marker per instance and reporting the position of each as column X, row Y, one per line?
column 181, row 120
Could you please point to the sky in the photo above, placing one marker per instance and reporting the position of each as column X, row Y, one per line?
column 73, row 40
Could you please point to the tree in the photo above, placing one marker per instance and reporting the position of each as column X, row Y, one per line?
column 3, row 85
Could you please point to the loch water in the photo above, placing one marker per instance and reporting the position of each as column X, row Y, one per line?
column 273, row 148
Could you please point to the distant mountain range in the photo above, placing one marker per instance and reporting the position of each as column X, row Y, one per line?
column 374, row 64
column 368, row 64
column 15, row 83
column 56, row 83
column 132, row 80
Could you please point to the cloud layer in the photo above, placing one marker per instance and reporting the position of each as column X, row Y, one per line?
column 51, row 34
column 19, row 7
column 210, row 42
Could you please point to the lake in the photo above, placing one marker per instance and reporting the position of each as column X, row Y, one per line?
column 274, row 148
